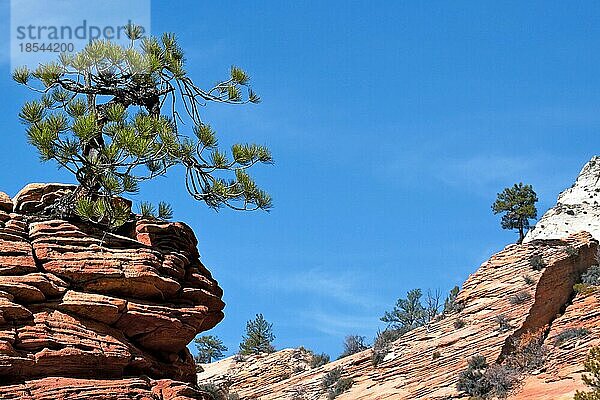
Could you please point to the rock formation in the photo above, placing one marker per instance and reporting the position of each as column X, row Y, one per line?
column 88, row 314
column 523, row 290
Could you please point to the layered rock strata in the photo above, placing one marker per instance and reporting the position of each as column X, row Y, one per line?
column 102, row 315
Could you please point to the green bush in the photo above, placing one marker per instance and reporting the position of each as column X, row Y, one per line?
column 583, row 288
column 592, row 366
column 459, row 323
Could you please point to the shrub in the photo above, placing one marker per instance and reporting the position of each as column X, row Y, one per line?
column 436, row 354
column 583, row 288
column 331, row 377
column 537, row 263
column 214, row 391
column 381, row 345
column 591, row 276
column 503, row 323
column 592, row 366
column 233, row 396
column 501, row 380
column 340, row 387
column 239, row 358
column 571, row 251
column 570, row 333
column 334, row 384
column 529, row 352
column 520, row 297
column 319, row 360
column 450, row 304
column 472, row 380
column 528, row 280
column 481, row 380
column 353, row 344
column 459, row 323
column 298, row 393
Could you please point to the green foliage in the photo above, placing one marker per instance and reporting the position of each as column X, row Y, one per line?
column 592, row 366
column 459, row 323
column 450, row 304
column 518, row 205
column 163, row 212
column 116, row 116
column 407, row 314
column 572, row 251
column 209, row 348
column 472, row 381
column 258, row 338
column 583, row 288
column 503, row 323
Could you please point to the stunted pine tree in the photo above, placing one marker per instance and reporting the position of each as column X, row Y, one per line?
column 116, row 116
column 408, row 313
column 258, row 338
column 518, row 205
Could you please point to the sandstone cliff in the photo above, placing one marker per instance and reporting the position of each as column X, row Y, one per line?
column 91, row 315
column 506, row 299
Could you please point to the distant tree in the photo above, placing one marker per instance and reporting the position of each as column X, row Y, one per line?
column 209, row 348
column 116, row 116
column 592, row 366
column 518, row 205
column 258, row 338
column 450, row 304
column 353, row 344
column 409, row 313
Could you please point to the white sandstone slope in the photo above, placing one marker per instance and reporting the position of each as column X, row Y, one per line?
column 577, row 208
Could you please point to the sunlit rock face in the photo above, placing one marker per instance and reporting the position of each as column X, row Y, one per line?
column 426, row 362
column 102, row 315
column 577, row 208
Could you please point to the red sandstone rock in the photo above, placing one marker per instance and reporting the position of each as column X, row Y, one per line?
column 94, row 309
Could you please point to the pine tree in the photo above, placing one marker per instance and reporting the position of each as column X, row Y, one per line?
column 518, row 205
column 450, row 304
column 209, row 348
column 592, row 366
column 116, row 116
column 258, row 338
column 408, row 313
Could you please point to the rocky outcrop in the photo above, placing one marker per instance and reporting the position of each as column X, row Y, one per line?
column 577, row 208
column 506, row 298
column 105, row 315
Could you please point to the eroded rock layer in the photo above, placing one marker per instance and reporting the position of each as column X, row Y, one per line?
column 506, row 298
column 77, row 304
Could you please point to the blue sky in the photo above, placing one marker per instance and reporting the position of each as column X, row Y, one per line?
column 393, row 126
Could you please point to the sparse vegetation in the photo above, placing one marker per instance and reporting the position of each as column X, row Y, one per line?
column 570, row 333
column 503, row 323
column 335, row 384
column 537, row 263
column 528, row 280
column 450, row 304
column 592, row 366
column 319, row 360
column 218, row 393
column 258, row 338
column 520, row 297
column 353, row 344
column 572, row 251
column 583, row 288
column 436, row 354
column 459, row 323
column 529, row 352
column 381, row 345
column 518, row 205
column 591, row 276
